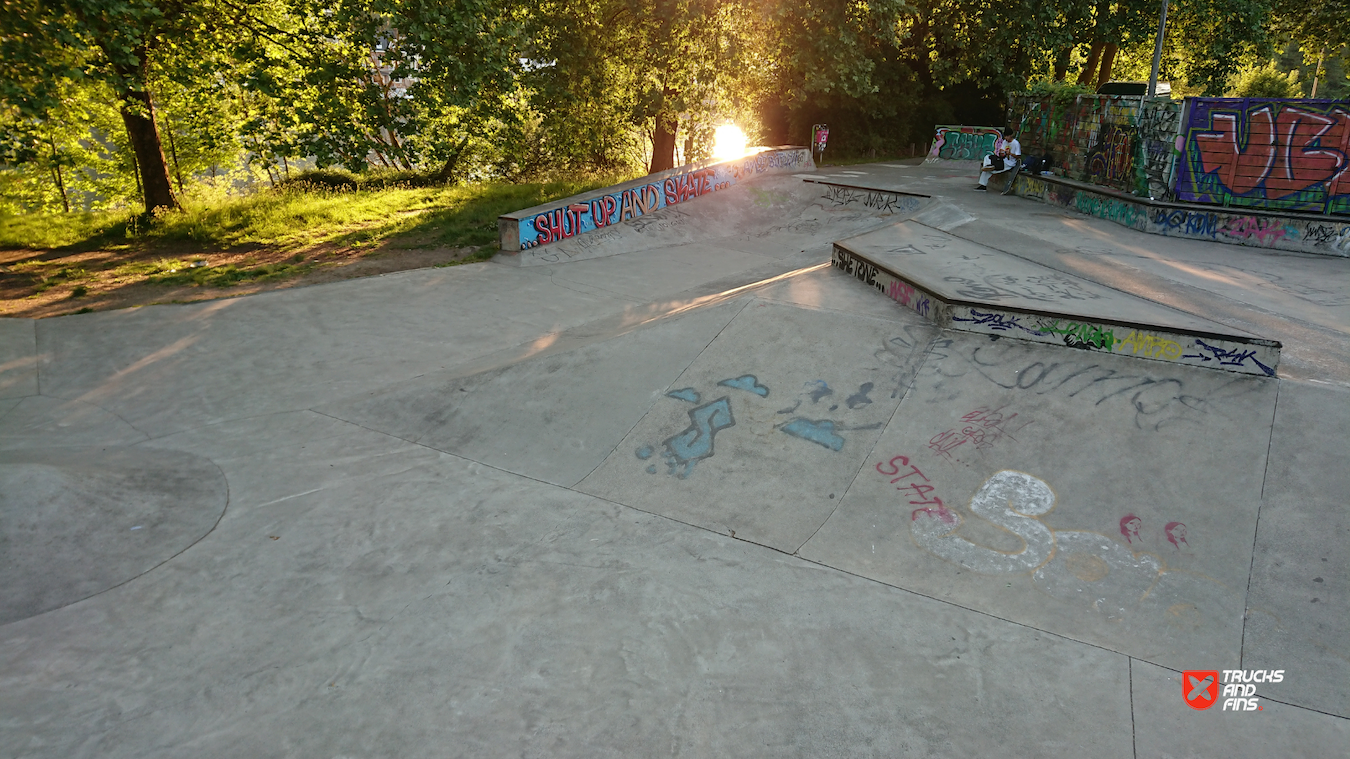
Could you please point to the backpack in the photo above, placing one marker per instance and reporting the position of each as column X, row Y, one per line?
column 996, row 161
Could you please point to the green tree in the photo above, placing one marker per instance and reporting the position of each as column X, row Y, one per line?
column 1266, row 82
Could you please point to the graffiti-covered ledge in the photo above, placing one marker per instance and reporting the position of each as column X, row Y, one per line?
column 566, row 218
column 1280, row 230
column 962, row 285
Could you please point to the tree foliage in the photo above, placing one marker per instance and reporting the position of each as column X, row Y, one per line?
column 106, row 102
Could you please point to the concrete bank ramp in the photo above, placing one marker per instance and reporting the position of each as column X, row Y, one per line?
column 770, row 215
column 966, row 286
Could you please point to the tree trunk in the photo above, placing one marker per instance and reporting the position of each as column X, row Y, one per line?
column 1062, row 64
column 663, row 145
column 447, row 172
column 173, row 149
column 1090, row 68
column 138, row 115
column 1317, row 72
column 1108, row 63
column 56, row 172
column 663, row 138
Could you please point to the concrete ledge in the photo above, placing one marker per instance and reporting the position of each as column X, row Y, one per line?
column 878, row 198
column 589, row 211
column 961, row 285
column 1305, row 233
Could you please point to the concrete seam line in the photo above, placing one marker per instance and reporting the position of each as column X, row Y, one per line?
column 37, row 359
column 1256, row 532
column 927, row 351
column 1134, row 740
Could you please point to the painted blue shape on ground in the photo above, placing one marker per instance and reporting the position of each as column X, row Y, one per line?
column 860, row 398
column 748, row 383
column 685, row 394
column 819, row 432
column 645, row 452
column 651, row 469
column 821, row 390
column 696, row 441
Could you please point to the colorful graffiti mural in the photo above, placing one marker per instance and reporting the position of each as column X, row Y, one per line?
column 1241, row 227
column 1275, row 154
column 1156, row 150
column 1108, row 140
column 573, row 216
column 964, row 143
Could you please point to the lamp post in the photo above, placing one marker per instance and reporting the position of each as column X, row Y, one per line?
column 1157, row 51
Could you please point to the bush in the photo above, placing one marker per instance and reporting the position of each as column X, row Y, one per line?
column 1058, row 92
column 1265, row 82
column 330, row 179
column 342, row 180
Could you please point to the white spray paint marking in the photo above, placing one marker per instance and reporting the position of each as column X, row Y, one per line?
column 1090, row 567
column 1011, row 500
column 1085, row 568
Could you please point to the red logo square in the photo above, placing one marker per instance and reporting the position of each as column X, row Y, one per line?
column 1200, row 687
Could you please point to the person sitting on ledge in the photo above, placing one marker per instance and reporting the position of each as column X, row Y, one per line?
column 996, row 163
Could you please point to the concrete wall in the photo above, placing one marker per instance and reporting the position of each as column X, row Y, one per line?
column 1307, row 234
column 579, row 214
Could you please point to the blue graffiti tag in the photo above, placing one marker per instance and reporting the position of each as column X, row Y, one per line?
column 685, row 394
column 997, row 322
column 819, row 432
column 1227, row 357
column 696, row 441
column 748, row 383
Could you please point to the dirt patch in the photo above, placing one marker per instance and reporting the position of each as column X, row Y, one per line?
column 37, row 284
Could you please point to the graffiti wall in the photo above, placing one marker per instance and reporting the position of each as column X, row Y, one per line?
column 1289, row 155
column 570, row 217
column 964, row 143
column 1156, row 150
column 1107, row 140
column 1234, row 226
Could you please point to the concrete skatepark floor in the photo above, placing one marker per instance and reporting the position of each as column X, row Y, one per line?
column 687, row 492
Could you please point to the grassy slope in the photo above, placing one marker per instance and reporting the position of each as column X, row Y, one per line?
column 296, row 218
column 105, row 260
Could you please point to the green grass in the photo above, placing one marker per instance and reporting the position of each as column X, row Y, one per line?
column 299, row 216
column 173, row 271
column 42, row 231
column 49, row 274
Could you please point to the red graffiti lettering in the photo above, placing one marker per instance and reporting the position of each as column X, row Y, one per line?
column 681, row 188
column 603, row 210
column 560, row 224
column 550, row 226
column 1247, row 227
column 649, row 198
column 1283, row 154
column 901, row 292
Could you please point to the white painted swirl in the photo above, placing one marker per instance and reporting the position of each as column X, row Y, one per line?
column 1010, row 500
